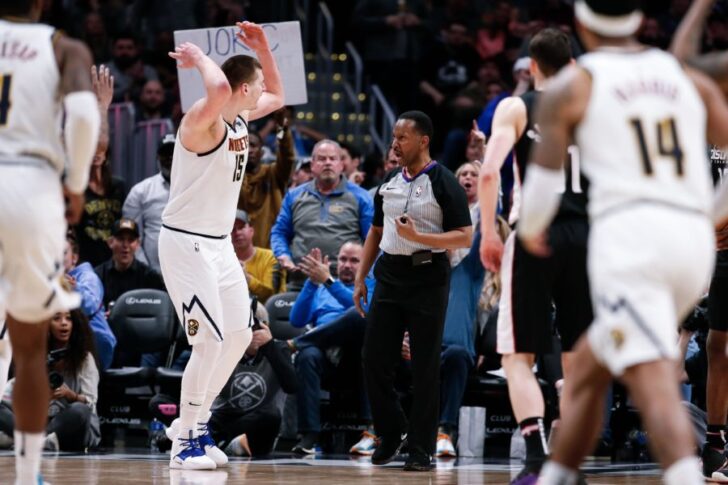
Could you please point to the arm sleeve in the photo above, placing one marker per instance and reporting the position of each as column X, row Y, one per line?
column 279, row 357
column 343, row 295
column 91, row 289
column 282, row 231
column 302, row 311
column 366, row 212
column 452, row 200
column 378, row 216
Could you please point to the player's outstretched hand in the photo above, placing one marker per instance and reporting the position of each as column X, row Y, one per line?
column 103, row 85
column 491, row 252
column 187, row 55
column 253, row 36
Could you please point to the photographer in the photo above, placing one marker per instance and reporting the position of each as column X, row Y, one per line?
column 72, row 421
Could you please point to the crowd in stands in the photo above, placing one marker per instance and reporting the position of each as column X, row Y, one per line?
column 305, row 206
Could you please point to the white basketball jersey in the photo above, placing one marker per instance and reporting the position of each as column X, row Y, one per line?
column 643, row 136
column 204, row 188
column 30, row 103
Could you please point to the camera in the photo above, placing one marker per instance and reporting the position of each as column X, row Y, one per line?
column 55, row 378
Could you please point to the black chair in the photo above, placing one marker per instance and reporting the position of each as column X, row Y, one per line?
column 143, row 321
column 279, row 312
column 168, row 379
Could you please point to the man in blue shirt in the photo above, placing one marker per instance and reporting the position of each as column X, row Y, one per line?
column 327, row 304
column 323, row 213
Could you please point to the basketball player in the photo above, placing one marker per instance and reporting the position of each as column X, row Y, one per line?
column 532, row 283
column 686, row 46
column 201, row 271
column 640, row 121
column 42, row 74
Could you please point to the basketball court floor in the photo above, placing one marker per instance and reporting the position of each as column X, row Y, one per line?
column 145, row 467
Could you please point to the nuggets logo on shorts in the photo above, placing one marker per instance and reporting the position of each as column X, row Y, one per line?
column 192, row 327
column 617, row 337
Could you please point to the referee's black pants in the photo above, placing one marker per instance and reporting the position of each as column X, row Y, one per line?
column 414, row 299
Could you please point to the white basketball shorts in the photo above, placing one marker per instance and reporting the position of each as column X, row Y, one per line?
column 32, row 239
column 205, row 282
column 648, row 265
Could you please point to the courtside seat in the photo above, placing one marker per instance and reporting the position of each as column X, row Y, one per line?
column 279, row 312
column 143, row 321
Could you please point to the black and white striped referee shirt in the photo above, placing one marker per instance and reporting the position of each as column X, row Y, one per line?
column 433, row 200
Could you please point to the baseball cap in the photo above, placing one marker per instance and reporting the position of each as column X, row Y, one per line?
column 302, row 162
column 523, row 63
column 242, row 215
column 166, row 146
column 125, row 224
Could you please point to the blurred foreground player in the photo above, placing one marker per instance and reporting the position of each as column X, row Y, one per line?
column 640, row 121
column 43, row 75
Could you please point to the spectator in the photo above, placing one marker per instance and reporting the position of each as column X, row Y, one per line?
column 246, row 416
column 390, row 162
column 94, row 35
column 461, row 323
column 351, row 159
column 86, row 282
column 129, row 71
column 264, row 186
column 261, row 268
column 302, row 173
column 323, row 304
column 392, row 34
column 151, row 104
column 145, row 204
column 105, row 193
column 123, row 272
column 323, row 213
column 304, row 137
column 72, row 421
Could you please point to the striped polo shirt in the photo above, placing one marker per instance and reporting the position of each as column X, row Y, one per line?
column 433, row 200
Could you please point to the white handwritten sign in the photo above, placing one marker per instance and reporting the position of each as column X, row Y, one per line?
column 220, row 43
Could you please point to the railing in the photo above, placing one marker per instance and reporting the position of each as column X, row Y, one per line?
column 324, row 65
column 146, row 139
column 352, row 81
column 121, row 125
column 301, row 9
column 381, row 119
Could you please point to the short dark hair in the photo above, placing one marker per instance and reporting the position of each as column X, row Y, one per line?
column 354, row 152
column 614, row 8
column 126, row 35
column 16, row 7
column 253, row 133
column 72, row 241
column 551, row 50
column 423, row 123
column 240, row 69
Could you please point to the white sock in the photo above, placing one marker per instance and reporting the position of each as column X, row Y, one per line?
column 189, row 412
column 553, row 473
column 28, row 450
column 685, row 471
column 196, row 380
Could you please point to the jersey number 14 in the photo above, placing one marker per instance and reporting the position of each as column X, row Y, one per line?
column 668, row 144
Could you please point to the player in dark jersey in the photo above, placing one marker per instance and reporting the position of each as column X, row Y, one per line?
column 685, row 46
column 533, row 284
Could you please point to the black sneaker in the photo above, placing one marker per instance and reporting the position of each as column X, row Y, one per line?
column 388, row 448
column 418, row 461
column 307, row 445
column 712, row 460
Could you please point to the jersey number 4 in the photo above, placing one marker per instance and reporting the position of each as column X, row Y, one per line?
column 668, row 144
column 5, row 104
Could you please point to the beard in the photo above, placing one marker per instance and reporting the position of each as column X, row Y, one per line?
column 124, row 62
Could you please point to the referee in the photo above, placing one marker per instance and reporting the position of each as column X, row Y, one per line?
column 420, row 211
